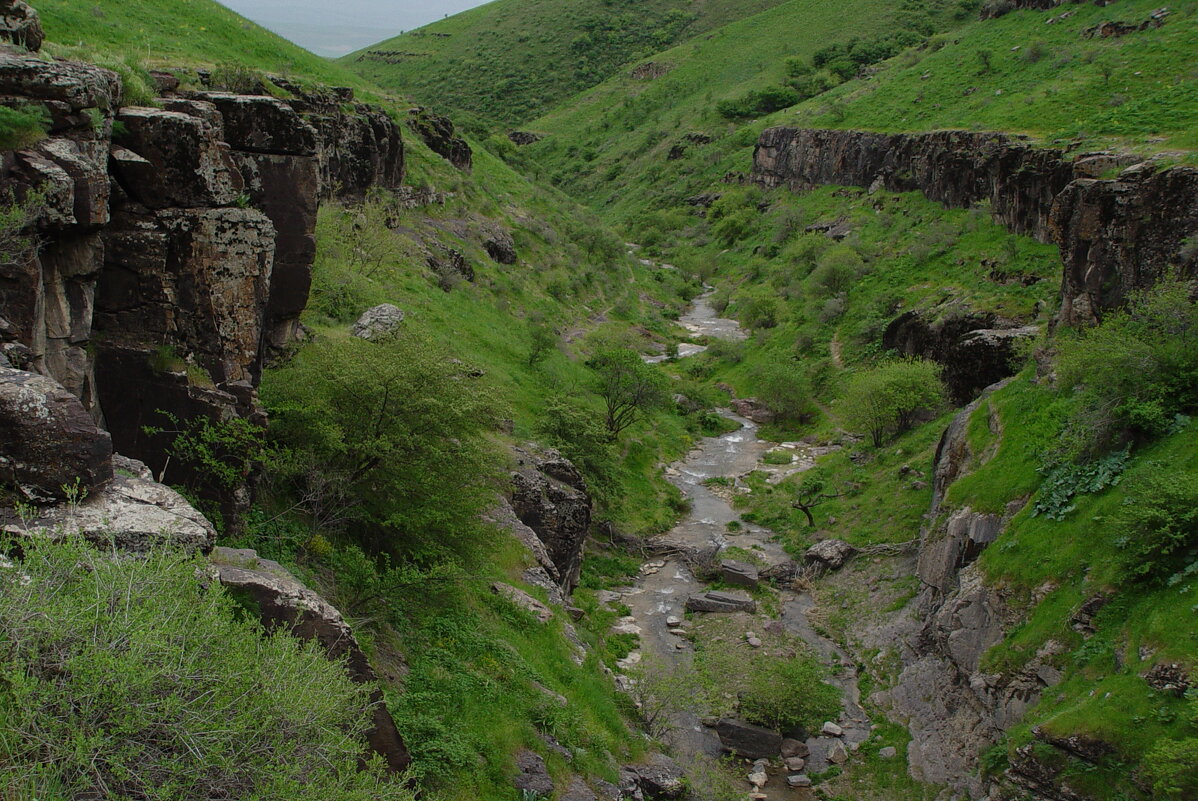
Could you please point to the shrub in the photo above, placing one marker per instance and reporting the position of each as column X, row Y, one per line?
column 578, row 432
column 838, row 269
column 1134, row 373
column 1158, row 528
column 887, row 398
column 759, row 308
column 758, row 102
column 401, row 425
column 783, row 387
column 1172, row 768
column 130, row 678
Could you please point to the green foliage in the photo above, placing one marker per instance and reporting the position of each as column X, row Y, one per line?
column 838, row 269
column 1157, row 528
column 1136, row 371
column 628, row 387
column 398, row 428
column 886, row 399
column 758, row 102
column 1172, row 768
column 218, row 455
column 1065, row 481
column 785, row 389
column 16, row 217
column 542, row 340
column 130, row 678
column 23, row 127
column 579, row 433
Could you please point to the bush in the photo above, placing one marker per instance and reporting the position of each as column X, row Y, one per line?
column 887, row 398
column 1158, row 528
column 1134, row 373
column 578, row 432
column 130, row 678
column 1172, row 768
column 758, row 102
column 838, row 269
column 784, row 388
column 398, row 427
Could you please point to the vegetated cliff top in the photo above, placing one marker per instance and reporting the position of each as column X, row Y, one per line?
column 1019, row 73
column 512, row 60
column 174, row 33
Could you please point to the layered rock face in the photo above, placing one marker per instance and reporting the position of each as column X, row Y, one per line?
column 186, row 242
column 1115, row 235
column 439, row 134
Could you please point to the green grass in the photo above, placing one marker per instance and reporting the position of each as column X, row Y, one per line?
column 510, row 61
column 183, row 33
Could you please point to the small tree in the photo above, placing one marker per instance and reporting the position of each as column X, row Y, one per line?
column 811, row 492
column 888, row 398
column 542, row 341
column 629, row 387
column 784, row 388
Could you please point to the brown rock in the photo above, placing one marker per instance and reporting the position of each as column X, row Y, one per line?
column 550, row 496
column 20, row 25
column 439, row 134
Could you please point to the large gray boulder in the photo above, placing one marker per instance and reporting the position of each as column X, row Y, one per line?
column 831, row 554
column 378, row 322
column 48, row 442
column 549, row 495
column 747, row 740
column 283, row 602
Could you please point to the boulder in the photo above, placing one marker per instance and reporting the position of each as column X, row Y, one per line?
column 753, row 409
column 741, row 574
column 501, row 247
column 792, row 748
column 378, row 322
column 533, row 776
column 549, row 495
column 523, row 600
column 831, row 729
column 524, row 137
column 716, row 601
column 48, row 441
column 748, row 741
column 830, row 554
column 20, row 25
column 283, row 602
column 132, row 512
column 659, row 778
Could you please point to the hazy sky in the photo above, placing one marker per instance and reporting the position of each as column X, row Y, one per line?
column 337, row 27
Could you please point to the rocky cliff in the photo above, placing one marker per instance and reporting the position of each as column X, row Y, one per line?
column 1116, row 235
column 170, row 247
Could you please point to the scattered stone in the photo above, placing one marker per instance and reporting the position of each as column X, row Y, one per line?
column 523, row 600
column 753, row 641
column 838, row 754
column 758, row 778
column 795, row 764
column 831, row 554
column 753, row 409
column 889, row 752
column 716, row 601
column 523, row 138
column 794, row 748
column 674, row 622
column 533, row 776
column 831, row 729
column 379, row 322
column 740, row 574
column 798, row 781
column 747, row 740
column 1168, row 677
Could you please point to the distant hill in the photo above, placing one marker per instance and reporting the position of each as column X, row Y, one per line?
column 512, row 60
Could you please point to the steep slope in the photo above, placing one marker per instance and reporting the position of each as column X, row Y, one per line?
column 511, row 60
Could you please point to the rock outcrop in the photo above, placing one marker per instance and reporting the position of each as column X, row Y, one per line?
column 20, row 25
column 283, row 602
column 1115, row 235
column 439, row 134
column 187, row 244
column 550, row 496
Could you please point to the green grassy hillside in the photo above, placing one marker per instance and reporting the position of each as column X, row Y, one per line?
column 511, row 60
column 611, row 146
column 191, row 33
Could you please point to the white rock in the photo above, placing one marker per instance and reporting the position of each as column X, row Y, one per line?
column 889, row 752
column 795, row 764
column 831, row 729
column 758, row 779
column 673, row 621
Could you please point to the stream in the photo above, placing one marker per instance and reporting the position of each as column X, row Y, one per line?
column 657, row 597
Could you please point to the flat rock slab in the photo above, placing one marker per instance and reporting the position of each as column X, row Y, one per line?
column 741, row 574
column 716, row 601
column 523, row 600
column 747, row 740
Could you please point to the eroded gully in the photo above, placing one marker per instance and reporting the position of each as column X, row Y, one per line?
column 663, row 584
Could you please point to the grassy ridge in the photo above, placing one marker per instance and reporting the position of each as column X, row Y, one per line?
column 511, row 60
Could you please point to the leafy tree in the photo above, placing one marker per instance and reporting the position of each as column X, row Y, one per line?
column 580, row 435
column 542, row 341
column 629, row 387
column 131, row 678
column 401, row 426
column 888, row 398
column 1134, row 373
column 810, row 493
column 1158, row 528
